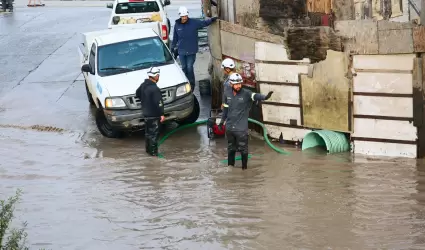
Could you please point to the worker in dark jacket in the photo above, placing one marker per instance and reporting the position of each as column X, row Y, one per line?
column 237, row 104
column 153, row 109
column 185, row 41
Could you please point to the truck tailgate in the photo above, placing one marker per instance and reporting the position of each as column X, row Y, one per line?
column 155, row 26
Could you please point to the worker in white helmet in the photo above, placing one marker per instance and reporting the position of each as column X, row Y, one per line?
column 237, row 104
column 185, row 41
column 229, row 67
column 152, row 108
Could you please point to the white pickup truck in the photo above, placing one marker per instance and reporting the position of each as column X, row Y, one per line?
column 126, row 12
column 115, row 62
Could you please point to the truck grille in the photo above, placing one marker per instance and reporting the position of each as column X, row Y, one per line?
column 134, row 102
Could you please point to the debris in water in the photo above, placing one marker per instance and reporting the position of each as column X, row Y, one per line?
column 34, row 127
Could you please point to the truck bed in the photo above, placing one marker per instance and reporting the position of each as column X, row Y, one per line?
column 88, row 37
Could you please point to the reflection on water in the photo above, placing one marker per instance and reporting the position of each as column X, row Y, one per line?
column 87, row 192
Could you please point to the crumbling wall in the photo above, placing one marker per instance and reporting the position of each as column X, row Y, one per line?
column 312, row 43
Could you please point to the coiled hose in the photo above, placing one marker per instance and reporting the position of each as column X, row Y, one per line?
column 266, row 138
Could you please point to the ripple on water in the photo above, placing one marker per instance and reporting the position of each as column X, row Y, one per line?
column 117, row 198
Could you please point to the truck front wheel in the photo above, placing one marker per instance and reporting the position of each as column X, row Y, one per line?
column 104, row 127
column 194, row 115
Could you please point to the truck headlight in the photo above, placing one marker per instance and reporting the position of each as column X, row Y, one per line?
column 183, row 89
column 114, row 102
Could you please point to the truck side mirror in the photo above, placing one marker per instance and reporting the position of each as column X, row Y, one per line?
column 86, row 68
column 109, row 5
column 167, row 2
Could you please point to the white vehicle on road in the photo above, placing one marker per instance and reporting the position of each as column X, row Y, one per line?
column 115, row 62
column 141, row 11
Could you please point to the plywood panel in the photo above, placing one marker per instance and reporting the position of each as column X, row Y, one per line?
column 384, row 149
column 241, row 47
column 396, row 83
column 282, row 93
column 279, row 114
column 273, row 52
column 384, row 62
column 290, row 134
column 279, row 73
column 383, row 106
column 384, row 129
column 325, row 95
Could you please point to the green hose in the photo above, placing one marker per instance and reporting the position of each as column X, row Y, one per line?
column 266, row 138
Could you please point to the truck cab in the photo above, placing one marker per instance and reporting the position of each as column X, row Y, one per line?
column 126, row 12
column 115, row 62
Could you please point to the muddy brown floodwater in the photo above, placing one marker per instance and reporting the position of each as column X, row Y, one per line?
column 86, row 193
column 83, row 191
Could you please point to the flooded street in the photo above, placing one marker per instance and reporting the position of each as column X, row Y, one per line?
column 84, row 191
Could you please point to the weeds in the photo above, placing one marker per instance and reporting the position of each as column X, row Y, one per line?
column 16, row 238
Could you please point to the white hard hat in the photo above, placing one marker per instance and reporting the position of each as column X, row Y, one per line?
column 183, row 11
column 228, row 63
column 235, row 78
column 153, row 71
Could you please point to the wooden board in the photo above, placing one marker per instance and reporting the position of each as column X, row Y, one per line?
column 419, row 39
column 384, row 148
column 384, row 129
column 277, row 53
column 279, row 73
column 391, row 83
column 282, row 93
column 384, row 62
column 280, row 114
column 383, row 106
column 325, row 96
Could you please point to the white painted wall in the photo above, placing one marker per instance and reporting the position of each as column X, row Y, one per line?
column 279, row 72
column 390, row 74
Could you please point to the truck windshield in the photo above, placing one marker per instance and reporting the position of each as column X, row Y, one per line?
column 132, row 55
column 137, row 7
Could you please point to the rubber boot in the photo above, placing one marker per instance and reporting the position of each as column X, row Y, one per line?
column 244, row 161
column 147, row 145
column 154, row 149
column 231, row 158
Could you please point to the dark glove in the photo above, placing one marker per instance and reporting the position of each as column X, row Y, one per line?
column 213, row 19
column 268, row 95
column 175, row 52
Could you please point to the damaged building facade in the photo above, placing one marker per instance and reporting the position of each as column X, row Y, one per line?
column 350, row 66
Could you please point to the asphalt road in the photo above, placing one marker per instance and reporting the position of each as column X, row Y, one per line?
column 84, row 191
column 39, row 64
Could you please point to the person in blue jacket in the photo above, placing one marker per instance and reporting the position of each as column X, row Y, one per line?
column 185, row 41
